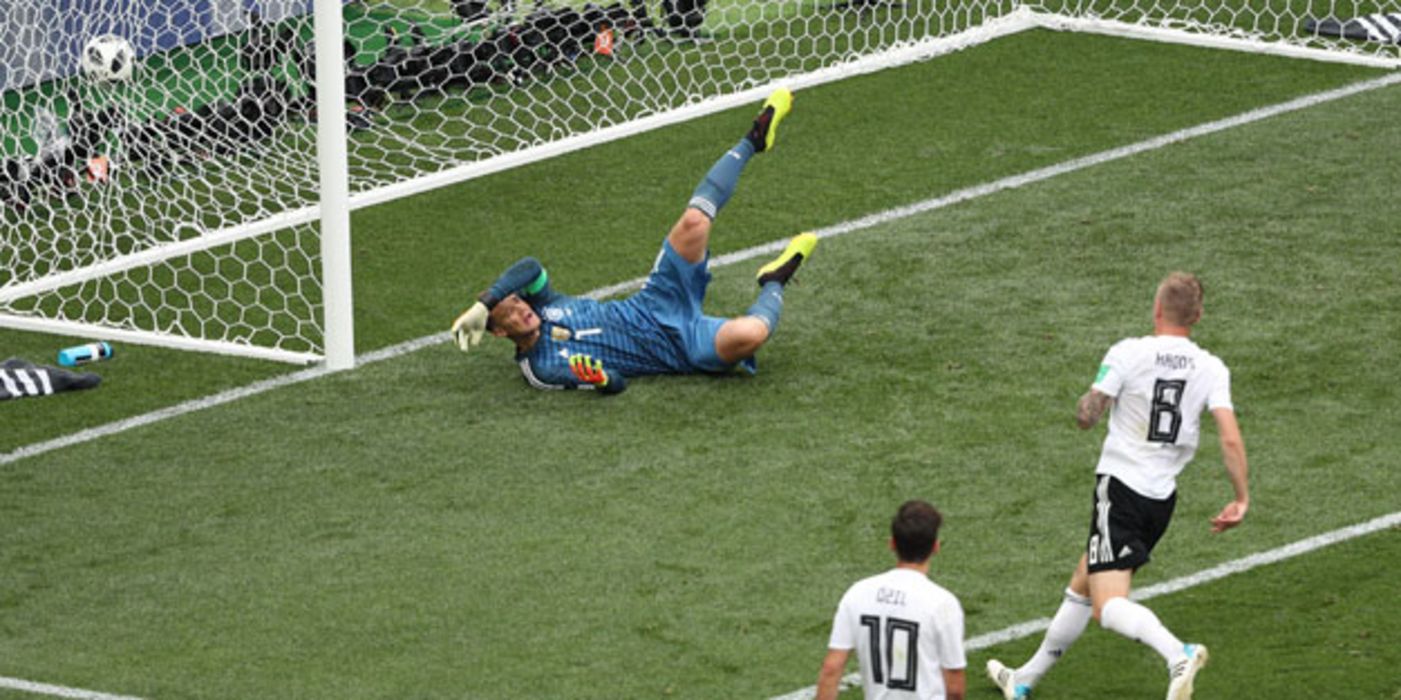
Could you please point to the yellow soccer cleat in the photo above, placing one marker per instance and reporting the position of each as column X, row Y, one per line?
column 781, row 269
column 765, row 130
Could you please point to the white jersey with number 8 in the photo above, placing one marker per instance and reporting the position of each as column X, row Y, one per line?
column 1160, row 385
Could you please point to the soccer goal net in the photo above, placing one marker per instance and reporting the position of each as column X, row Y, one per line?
column 161, row 176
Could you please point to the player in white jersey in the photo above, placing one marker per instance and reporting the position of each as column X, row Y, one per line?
column 907, row 630
column 1159, row 386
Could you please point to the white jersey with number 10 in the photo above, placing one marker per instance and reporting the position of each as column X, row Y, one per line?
column 1160, row 385
column 905, row 629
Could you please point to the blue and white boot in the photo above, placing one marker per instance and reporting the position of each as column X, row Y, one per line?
column 1184, row 671
column 1005, row 681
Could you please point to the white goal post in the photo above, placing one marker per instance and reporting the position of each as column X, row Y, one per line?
column 181, row 173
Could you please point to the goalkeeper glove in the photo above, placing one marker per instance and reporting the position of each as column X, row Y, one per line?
column 469, row 328
column 588, row 370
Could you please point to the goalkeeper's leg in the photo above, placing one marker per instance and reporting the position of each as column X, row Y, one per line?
column 690, row 237
column 741, row 337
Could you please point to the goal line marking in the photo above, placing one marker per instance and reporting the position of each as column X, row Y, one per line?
column 1220, row 571
column 890, row 215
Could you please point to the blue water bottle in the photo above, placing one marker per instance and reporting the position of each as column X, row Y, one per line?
column 83, row 354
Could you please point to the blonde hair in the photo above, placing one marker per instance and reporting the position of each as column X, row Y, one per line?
column 1180, row 295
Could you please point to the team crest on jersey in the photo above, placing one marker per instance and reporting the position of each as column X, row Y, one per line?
column 553, row 313
column 560, row 334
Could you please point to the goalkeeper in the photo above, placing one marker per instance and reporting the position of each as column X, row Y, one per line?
column 566, row 342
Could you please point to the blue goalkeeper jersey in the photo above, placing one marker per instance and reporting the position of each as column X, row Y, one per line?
column 623, row 334
column 659, row 330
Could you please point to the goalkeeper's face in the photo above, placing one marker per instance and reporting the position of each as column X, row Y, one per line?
column 513, row 318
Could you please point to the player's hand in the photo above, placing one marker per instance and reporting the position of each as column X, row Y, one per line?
column 469, row 328
column 588, row 370
column 1232, row 515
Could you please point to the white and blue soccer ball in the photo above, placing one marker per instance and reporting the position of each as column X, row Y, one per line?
column 108, row 58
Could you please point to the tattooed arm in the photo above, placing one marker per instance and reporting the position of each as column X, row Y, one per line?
column 1091, row 408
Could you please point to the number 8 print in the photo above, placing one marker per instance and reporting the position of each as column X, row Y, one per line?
column 1165, row 418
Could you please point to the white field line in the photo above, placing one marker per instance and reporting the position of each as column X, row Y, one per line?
column 1018, row 631
column 1220, row 571
column 58, row 690
column 865, row 222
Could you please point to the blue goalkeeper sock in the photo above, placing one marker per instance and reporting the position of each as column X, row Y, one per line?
column 712, row 192
column 769, row 306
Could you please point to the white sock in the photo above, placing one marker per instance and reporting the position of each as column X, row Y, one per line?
column 1066, row 626
column 1141, row 625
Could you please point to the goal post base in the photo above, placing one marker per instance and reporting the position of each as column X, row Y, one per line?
column 177, row 342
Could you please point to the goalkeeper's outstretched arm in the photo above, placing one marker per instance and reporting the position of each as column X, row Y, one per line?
column 527, row 278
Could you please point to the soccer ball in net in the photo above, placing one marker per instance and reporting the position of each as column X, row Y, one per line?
column 108, row 58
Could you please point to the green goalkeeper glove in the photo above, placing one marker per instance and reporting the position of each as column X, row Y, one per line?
column 588, row 370
column 469, row 328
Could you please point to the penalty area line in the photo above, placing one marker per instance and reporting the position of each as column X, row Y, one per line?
column 866, row 222
column 58, row 690
column 1215, row 573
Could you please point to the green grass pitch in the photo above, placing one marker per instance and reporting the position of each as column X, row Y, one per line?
column 430, row 527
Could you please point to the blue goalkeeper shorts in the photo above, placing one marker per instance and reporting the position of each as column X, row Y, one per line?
column 673, row 294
